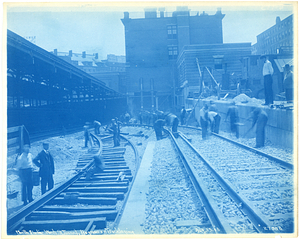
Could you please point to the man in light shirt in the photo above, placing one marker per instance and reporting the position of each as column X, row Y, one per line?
column 25, row 167
column 214, row 119
column 268, row 81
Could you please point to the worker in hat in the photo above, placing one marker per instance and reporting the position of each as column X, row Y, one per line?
column 45, row 162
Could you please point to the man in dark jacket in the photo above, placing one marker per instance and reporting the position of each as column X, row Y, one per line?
column 158, row 127
column 45, row 162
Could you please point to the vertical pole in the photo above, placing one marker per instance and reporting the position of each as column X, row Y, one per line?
column 141, row 83
column 173, row 78
column 156, row 99
column 21, row 138
column 152, row 93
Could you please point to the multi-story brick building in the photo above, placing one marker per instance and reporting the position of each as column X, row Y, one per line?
column 277, row 39
column 152, row 46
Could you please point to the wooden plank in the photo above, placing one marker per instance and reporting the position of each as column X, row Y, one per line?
column 116, row 168
column 114, row 160
column 111, row 148
column 13, row 141
column 113, row 157
column 13, row 129
column 97, row 189
column 82, row 200
column 106, row 184
column 57, row 215
column 108, row 174
column 116, row 163
column 77, row 208
column 105, row 178
column 117, row 195
column 89, row 226
column 73, row 224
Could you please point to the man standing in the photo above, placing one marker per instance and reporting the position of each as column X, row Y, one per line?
column 114, row 128
column 45, row 162
column 234, row 118
column 204, row 120
column 25, row 167
column 268, row 81
column 97, row 126
column 288, row 84
column 182, row 115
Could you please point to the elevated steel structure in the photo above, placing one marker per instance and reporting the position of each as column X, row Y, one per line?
column 41, row 85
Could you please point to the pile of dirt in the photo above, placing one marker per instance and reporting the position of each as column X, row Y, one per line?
column 243, row 98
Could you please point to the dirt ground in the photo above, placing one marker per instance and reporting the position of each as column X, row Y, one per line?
column 65, row 151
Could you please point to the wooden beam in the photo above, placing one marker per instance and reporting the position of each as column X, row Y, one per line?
column 77, row 209
column 83, row 200
column 73, row 224
column 104, row 184
column 57, row 215
column 97, row 189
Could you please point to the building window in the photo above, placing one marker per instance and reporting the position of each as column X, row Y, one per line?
column 172, row 31
column 173, row 52
column 218, row 60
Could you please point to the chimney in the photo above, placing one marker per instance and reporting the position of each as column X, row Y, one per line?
column 277, row 20
column 83, row 54
column 161, row 12
column 55, row 52
column 126, row 15
column 70, row 53
column 219, row 10
column 150, row 13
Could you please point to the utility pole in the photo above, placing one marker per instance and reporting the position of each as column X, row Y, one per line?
column 152, row 93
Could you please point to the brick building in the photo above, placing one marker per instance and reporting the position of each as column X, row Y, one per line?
column 277, row 39
column 152, row 46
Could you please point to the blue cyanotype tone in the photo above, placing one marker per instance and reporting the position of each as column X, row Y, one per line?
column 150, row 120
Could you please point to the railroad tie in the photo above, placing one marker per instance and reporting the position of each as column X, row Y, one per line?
column 72, row 224
column 83, row 200
column 105, row 178
column 97, row 189
column 58, row 215
column 85, row 208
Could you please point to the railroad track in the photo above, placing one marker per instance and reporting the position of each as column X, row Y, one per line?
column 256, row 181
column 80, row 203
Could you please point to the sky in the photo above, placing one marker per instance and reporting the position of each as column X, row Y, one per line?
column 98, row 29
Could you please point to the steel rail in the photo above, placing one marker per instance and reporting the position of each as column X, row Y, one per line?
column 273, row 158
column 15, row 219
column 258, row 223
column 216, row 223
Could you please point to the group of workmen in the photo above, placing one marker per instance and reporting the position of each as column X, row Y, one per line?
column 25, row 165
column 209, row 116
